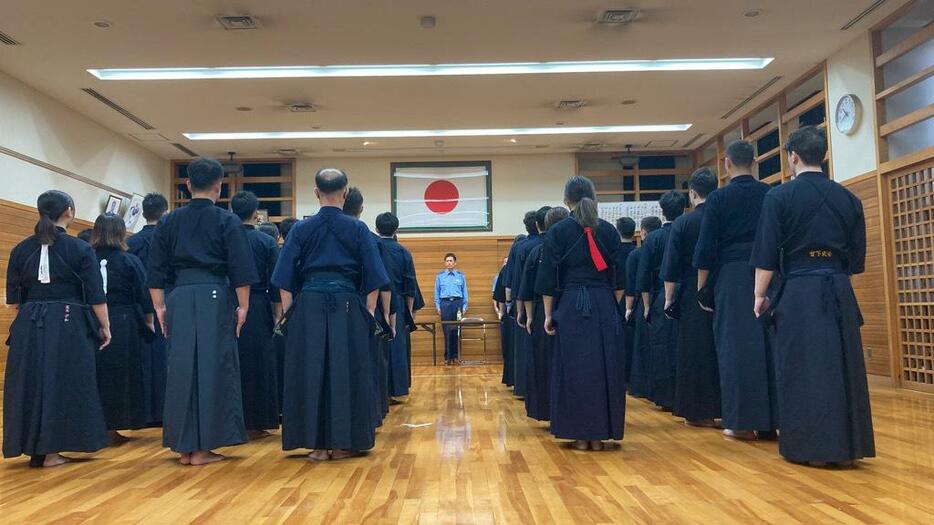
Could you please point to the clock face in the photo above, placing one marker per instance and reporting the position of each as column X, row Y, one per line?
column 847, row 114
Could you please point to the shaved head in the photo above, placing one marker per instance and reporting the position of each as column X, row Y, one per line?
column 330, row 180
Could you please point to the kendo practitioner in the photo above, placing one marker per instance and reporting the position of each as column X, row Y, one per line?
column 451, row 303
column 50, row 398
column 641, row 376
column 725, row 284
column 286, row 226
column 697, row 376
column 663, row 330
column 154, row 207
column 85, row 235
column 120, row 378
column 507, row 321
column 534, row 223
column 575, row 279
column 206, row 250
column 626, row 227
column 541, row 345
column 813, row 232
column 258, row 369
column 329, row 400
column 272, row 230
column 401, row 270
column 385, row 309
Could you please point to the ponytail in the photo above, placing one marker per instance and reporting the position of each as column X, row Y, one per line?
column 579, row 193
column 586, row 213
column 52, row 205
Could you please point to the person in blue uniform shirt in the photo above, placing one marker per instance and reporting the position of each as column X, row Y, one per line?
column 120, row 376
column 50, row 399
column 641, row 380
column 535, row 224
column 258, row 369
column 626, row 227
column 813, row 232
column 154, row 207
column 401, row 270
column 451, row 302
column 663, row 330
column 329, row 399
column 697, row 376
column 725, row 284
column 205, row 250
column 580, row 298
column 541, row 345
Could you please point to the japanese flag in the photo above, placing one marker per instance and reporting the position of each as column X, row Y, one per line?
column 442, row 197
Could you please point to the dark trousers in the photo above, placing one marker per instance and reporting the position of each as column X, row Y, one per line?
column 449, row 309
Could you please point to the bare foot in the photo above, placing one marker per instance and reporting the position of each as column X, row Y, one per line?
column 344, row 454
column 203, row 457
column 744, row 435
column 117, row 439
column 580, row 444
column 257, row 434
column 703, row 423
column 185, row 458
column 319, row 455
column 54, row 460
column 596, row 445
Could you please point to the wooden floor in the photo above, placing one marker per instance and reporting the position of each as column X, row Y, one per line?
column 461, row 451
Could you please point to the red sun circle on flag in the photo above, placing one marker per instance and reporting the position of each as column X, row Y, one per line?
column 441, row 196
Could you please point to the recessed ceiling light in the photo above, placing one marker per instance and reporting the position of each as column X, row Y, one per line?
column 428, row 22
column 561, row 123
column 417, row 133
column 506, row 68
column 514, row 141
column 102, row 24
column 628, row 102
column 366, row 142
column 244, row 108
column 752, row 13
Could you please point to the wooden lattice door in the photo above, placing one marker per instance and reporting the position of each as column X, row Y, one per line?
column 911, row 194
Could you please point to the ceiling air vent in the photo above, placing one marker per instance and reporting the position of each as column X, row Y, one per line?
column 617, row 17
column 184, row 149
column 288, row 152
column 7, row 40
column 118, row 108
column 755, row 94
column 570, row 105
column 302, row 108
column 591, row 146
column 863, row 14
column 238, row 22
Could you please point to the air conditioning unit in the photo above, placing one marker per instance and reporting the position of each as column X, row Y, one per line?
column 617, row 17
column 302, row 108
column 238, row 22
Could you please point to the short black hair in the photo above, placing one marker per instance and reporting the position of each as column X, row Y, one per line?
column 810, row 143
column 529, row 221
column 154, row 206
column 204, row 173
column 651, row 223
column 286, row 225
column 269, row 229
column 556, row 215
column 353, row 204
column 540, row 217
column 387, row 224
column 85, row 235
column 330, row 180
column 672, row 204
column 741, row 153
column 626, row 227
column 703, row 181
column 449, row 254
column 244, row 204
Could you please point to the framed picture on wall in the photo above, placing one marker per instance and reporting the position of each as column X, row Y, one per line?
column 113, row 204
column 442, row 196
column 133, row 212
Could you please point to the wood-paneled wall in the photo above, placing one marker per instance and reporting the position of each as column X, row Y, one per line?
column 480, row 258
column 870, row 285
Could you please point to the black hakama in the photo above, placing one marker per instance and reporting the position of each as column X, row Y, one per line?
column 203, row 404
column 823, row 395
column 329, row 402
column 697, row 380
column 258, row 381
column 154, row 368
column 120, row 370
column 507, row 340
column 520, row 359
column 588, row 400
column 747, row 380
column 663, row 341
column 50, row 398
column 641, row 375
column 398, row 353
column 541, row 348
column 379, row 350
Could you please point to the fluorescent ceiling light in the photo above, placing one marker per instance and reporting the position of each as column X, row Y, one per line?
column 416, row 133
column 419, row 70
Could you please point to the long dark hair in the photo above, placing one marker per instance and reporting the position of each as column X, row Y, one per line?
column 109, row 232
column 580, row 194
column 52, row 205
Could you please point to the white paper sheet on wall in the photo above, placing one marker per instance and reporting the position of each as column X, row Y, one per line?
column 610, row 211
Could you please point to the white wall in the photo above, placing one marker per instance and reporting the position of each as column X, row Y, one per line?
column 850, row 70
column 520, row 183
column 39, row 127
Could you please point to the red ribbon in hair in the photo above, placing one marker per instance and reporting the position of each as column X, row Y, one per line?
column 595, row 254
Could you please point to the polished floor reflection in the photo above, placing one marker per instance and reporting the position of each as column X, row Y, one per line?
column 462, row 451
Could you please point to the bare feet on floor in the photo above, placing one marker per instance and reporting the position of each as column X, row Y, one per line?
column 344, row 454
column 580, row 445
column 702, row 423
column 185, row 458
column 203, row 457
column 117, row 439
column 745, row 435
column 54, row 460
column 319, row 455
column 596, row 445
column 257, row 434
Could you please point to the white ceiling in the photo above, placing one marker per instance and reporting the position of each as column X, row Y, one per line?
column 60, row 43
